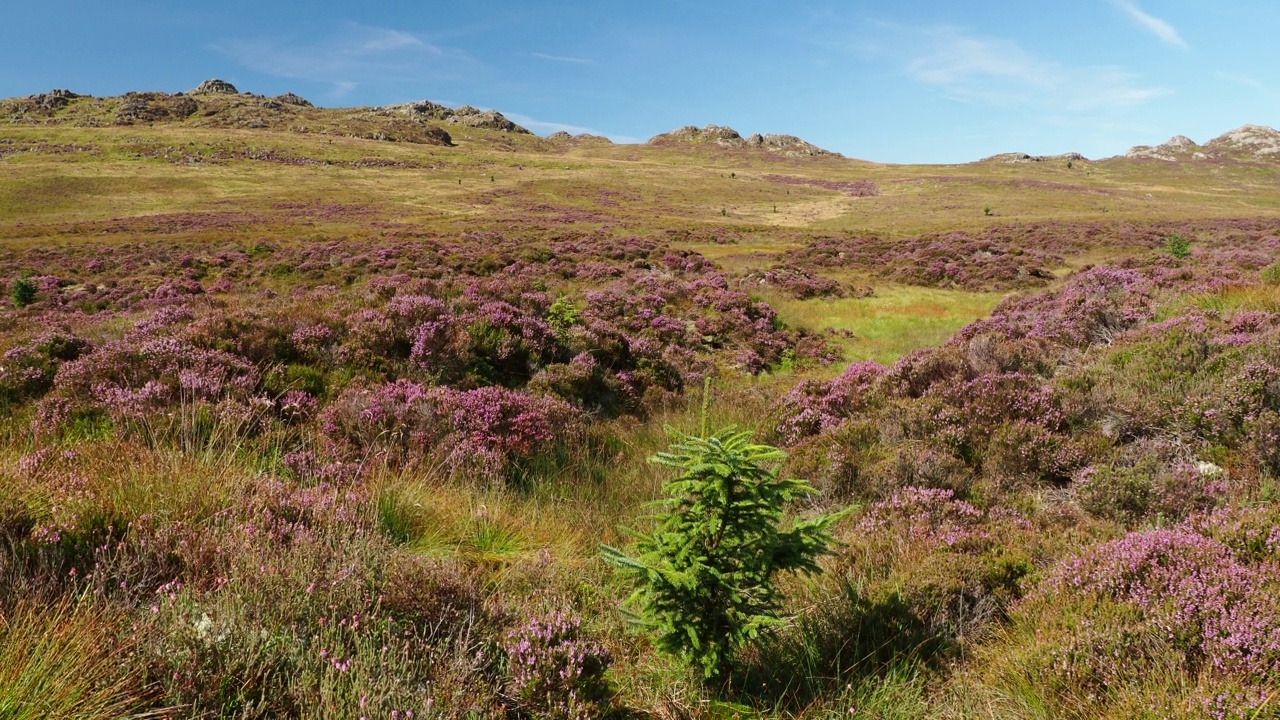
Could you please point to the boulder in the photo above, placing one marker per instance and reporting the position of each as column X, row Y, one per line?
column 291, row 99
column 215, row 87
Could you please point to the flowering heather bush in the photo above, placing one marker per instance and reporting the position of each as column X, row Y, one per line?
column 130, row 379
column 813, row 407
column 480, row 432
column 27, row 370
column 924, row 517
column 801, row 284
column 555, row 672
column 1090, row 309
column 1148, row 488
column 1220, row 613
column 952, row 260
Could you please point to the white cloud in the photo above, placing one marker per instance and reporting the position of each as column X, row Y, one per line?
column 1241, row 80
column 565, row 59
column 994, row 71
column 544, row 127
column 356, row 55
column 1152, row 24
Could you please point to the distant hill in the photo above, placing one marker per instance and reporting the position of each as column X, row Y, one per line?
column 1245, row 143
column 218, row 104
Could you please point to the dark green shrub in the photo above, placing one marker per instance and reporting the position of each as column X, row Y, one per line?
column 1178, row 246
column 22, row 292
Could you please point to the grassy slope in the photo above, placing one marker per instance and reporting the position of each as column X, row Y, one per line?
column 80, row 185
column 67, row 175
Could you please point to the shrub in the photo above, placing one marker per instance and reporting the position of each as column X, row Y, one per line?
column 813, row 407
column 706, row 571
column 22, row 292
column 1178, row 246
column 484, row 432
column 555, row 672
column 1219, row 613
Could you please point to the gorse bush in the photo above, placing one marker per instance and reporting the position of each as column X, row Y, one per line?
column 706, row 571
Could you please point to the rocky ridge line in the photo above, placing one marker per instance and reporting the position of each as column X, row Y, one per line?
column 727, row 137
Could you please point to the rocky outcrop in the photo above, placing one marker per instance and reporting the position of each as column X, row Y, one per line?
column 291, row 99
column 1257, row 141
column 37, row 107
column 487, row 119
column 1016, row 158
column 1178, row 147
column 560, row 136
column 53, row 100
column 214, row 87
column 709, row 135
column 787, row 145
column 1245, row 143
column 154, row 106
column 466, row 115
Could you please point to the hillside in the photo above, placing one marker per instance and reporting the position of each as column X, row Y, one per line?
column 327, row 412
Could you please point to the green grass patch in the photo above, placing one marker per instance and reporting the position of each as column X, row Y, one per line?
column 897, row 320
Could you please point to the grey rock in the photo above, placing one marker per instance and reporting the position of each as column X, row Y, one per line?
column 153, row 106
column 788, row 145
column 291, row 99
column 215, row 87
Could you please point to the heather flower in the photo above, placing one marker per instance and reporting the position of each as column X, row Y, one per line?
column 1190, row 588
column 554, row 671
column 813, row 407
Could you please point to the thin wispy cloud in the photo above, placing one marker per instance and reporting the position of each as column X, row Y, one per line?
column 349, row 58
column 1244, row 80
column 999, row 72
column 564, row 59
column 1164, row 31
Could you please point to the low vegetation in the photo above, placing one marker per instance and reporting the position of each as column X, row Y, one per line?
column 345, row 437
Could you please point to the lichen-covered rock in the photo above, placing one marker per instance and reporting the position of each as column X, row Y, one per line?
column 215, row 87
column 291, row 99
column 727, row 137
column 1257, row 140
column 487, row 119
column 710, row 134
column 788, row 145
column 153, row 106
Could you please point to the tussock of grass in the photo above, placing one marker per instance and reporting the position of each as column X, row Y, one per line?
column 68, row 659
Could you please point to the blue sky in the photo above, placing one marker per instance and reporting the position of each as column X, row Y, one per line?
column 884, row 80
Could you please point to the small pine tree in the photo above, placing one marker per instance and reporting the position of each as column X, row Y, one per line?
column 1178, row 246
column 705, row 573
column 22, row 293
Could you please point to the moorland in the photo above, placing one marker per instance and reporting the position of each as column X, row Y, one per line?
column 317, row 412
